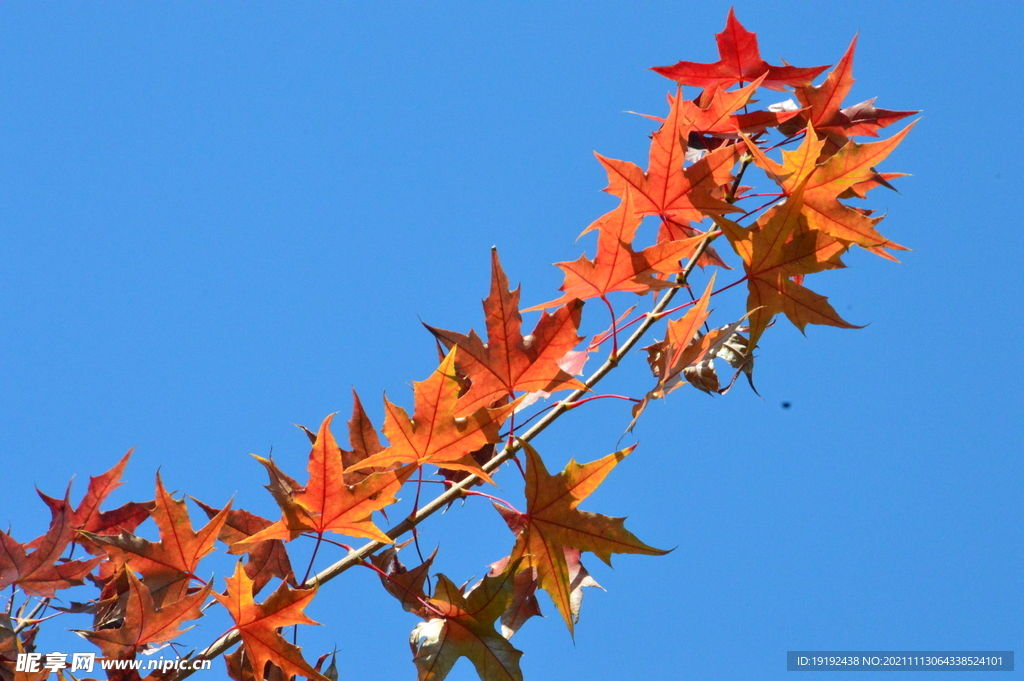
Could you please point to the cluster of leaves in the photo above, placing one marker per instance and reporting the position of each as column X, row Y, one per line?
column 693, row 183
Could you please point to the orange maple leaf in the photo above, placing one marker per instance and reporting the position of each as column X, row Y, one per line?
column 257, row 623
column 552, row 523
column 714, row 112
column 168, row 566
column 327, row 504
column 739, row 61
column 508, row 362
column 824, row 105
column 463, row 626
column 780, row 248
column 435, row 435
column 88, row 516
column 617, row 267
column 267, row 559
column 823, row 184
column 362, row 438
column 676, row 351
column 145, row 623
column 667, row 189
column 39, row 573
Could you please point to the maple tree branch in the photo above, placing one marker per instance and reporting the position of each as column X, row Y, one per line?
column 754, row 196
column 457, row 490
column 23, row 622
column 532, row 417
column 745, row 163
column 512, row 433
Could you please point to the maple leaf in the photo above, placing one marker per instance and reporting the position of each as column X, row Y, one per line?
column 725, row 342
column 88, row 516
column 739, row 61
column 617, row 267
column 466, row 629
column 714, row 112
column 823, row 184
column 144, row 622
column 8, row 637
column 824, row 106
column 552, row 523
column 860, row 190
column 403, row 583
column 434, row 435
column 669, row 357
column 670, row 230
column 239, row 668
column 266, row 560
column 508, row 362
column 168, row 566
column 524, row 603
column 667, row 188
column 13, row 648
column 257, row 623
column 40, row 573
column 686, row 353
column 362, row 438
column 779, row 249
column 327, row 504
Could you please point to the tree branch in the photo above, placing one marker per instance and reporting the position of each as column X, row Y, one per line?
column 354, row 558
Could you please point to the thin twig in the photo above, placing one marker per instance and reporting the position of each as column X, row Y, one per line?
column 25, row 621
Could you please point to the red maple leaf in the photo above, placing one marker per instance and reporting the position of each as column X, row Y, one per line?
column 144, row 623
column 508, row 362
column 167, row 566
column 41, row 573
column 739, row 62
column 88, row 516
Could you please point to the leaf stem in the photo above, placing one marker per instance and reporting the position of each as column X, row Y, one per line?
column 788, row 140
column 759, row 208
column 615, row 330
column 713, row 293
column 601, row 397
column 309, row 568
column 492, row 498
column 331, row 541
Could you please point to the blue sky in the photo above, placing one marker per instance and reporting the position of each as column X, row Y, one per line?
column 218, row 218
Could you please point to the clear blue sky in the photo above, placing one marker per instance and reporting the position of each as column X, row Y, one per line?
column 217, row 218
